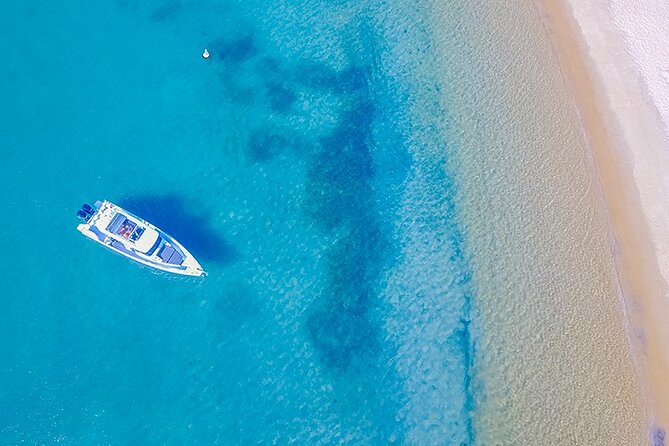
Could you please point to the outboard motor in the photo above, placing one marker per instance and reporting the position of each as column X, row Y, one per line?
column 87, row 208
column 83, row 216
column 86, row 212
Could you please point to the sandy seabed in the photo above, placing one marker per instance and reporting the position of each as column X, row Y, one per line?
column 552, row 363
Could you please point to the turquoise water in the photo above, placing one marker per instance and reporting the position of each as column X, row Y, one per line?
column 337, row 306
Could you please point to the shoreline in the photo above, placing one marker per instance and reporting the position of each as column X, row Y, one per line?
column 626, row 171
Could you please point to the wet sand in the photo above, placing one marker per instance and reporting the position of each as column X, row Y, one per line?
column 625, row 139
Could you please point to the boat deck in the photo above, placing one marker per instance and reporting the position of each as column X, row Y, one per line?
column 167, row 254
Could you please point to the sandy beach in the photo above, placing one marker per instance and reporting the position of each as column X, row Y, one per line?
column 607, row 60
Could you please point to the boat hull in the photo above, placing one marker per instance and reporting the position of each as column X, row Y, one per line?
column 95, row 229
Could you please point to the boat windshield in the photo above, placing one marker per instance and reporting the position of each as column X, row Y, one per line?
column 137, row 233
column 153, row 248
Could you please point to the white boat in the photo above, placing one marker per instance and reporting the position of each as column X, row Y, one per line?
column 135, row 238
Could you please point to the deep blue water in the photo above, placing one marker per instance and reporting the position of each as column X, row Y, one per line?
column 337, row 304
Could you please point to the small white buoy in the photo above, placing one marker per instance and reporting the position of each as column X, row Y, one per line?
column 205, row 54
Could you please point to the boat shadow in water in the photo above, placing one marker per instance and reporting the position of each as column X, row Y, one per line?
column 170, row 213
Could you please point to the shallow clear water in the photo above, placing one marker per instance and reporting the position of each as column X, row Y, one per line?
column 281, row 163
column 310, row 168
